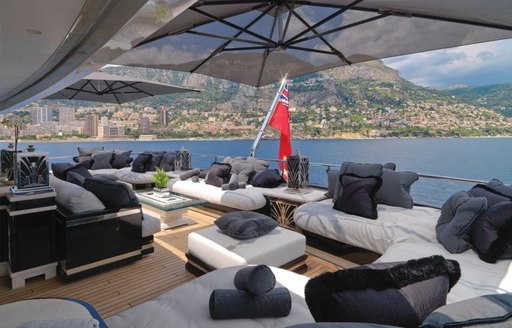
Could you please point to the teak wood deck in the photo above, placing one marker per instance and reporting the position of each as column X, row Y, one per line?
column 118, row 289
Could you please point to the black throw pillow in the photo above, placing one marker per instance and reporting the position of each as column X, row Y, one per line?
column 78, row 169
column 120, row 160
column 140, row 162
column 218, row 174
column 156, row 158
column 85, row 160
column 491, row 233
column 400, row 294
column 267, row 179
column 58, row 169
column 167, row 162
column 111, row 193
column 358, row 195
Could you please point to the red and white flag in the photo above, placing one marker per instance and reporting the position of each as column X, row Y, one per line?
column 280, row 121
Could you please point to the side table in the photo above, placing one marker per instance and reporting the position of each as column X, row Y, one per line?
column 30, row 236
column 283, row 202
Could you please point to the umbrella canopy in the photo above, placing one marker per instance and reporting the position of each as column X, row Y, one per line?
column 118, row 89
column 258, row 42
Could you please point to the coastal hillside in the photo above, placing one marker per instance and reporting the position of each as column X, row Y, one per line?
column 497, row 97
column 363, row 100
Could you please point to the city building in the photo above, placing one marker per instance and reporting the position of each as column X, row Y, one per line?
column 110, row 131
column 164, row 116
column 145, row 125
column 91, row 125
column 66, row 115
column 41, row 115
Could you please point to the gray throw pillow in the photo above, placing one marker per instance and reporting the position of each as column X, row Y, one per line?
column 167, row 162
column 58, row 169
column 82, row 151
column 332, row 180
column 458, row 213
column 258, row 164
column 395, row 188
column 485, row 311
column 481, row 190
column 362, row 170
column 218, row 174
column 358, row 195
column 244, row 170
column 399, row 294
column 102, row 160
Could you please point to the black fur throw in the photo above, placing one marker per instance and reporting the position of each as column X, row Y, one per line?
column 383, row 293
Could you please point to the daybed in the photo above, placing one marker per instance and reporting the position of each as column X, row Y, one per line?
column 403, row 231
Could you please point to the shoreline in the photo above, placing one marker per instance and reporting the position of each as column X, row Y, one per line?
column 239, row 139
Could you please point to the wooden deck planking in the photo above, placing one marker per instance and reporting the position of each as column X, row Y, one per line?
column 118, row 289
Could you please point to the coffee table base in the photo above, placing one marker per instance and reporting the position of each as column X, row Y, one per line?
column 169, row 219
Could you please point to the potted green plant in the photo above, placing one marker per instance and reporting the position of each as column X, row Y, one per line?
column 160, row 178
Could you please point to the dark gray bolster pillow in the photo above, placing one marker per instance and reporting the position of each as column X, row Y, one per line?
column 256, row 280
column 238, row 304
column 189, row 174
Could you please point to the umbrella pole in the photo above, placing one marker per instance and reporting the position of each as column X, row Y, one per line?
column 267, row 118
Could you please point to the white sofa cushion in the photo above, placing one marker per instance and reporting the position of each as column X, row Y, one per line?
column 75, row 198
column 187, row 305
column 247, row 199
column 219, row 250
column 393, row 225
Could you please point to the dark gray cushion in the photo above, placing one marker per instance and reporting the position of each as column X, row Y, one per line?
column 245, row 224
column 492, row 196
column 101, row 160
column 79, row 169
column 332, row 180
column 458, row 213
column 189, row 174
column 167, row 161
column 340, row 325
column 362, row 170
column 238, row 304
column 395, row 188
column 75, row 178
column 243, row 170
column 500, row 187
column 85, row 160
column 156, row 158
column 58, row 169
column 111, row 193
column 218, row 174
column 121, row 160
column 485, row 311
column 112, row 177
column 232, row 183
column 257, row 279
column 491, row 233
column 140, row 163
column 267, row 179
column 399, row 294
column 358, row 195
column 83, row 151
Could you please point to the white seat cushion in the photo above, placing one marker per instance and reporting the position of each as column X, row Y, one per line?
column 187, row 305
column 219, row 250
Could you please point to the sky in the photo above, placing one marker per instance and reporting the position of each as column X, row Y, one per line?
column 473, row 65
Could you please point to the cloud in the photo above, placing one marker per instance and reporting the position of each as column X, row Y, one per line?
column 473, row 65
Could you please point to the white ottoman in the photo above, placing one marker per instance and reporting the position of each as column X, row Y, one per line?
column 210, row 249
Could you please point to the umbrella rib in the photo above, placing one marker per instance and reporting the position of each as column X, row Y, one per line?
column 334, row 51
column 228, row 38
column 325, row 20
column 132, row 85
column 317, row 51
column 112, row 93
column 341, row 28
column 245, row 48
column 220, row 20
column 225, row 44
column 288, row 21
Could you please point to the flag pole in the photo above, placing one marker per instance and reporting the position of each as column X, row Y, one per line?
column 267, row 118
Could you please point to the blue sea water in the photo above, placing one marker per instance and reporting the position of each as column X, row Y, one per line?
column 472, row 158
